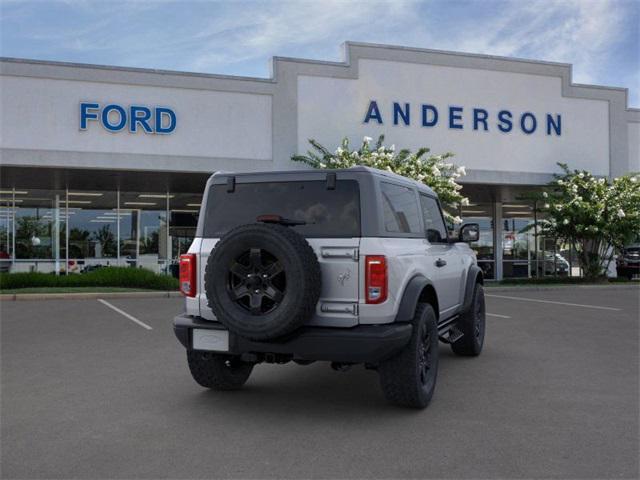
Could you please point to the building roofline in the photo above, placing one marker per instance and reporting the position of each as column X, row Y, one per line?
column 95, row 66
column 348, row 46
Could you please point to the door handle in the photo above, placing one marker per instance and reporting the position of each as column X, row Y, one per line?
column 440, row 263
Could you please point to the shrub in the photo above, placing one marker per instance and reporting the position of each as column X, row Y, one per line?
column 103, row 277
column 595, row 215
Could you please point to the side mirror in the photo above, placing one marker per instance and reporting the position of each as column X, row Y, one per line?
column 469, row 232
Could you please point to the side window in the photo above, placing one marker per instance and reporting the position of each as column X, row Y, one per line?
column 435, row 230
column 400, row 209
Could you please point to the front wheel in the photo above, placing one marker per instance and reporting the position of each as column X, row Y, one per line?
column 219, row 372
column 472, row 324
column 409, row 378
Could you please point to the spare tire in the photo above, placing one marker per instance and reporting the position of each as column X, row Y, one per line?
column 262, row 281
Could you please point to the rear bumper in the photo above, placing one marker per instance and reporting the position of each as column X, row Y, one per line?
column 360, row 344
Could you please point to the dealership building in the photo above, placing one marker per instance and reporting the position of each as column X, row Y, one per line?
column 104, row 165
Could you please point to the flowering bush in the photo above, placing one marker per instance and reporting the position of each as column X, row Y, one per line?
column 432, row 170
column 592, row 214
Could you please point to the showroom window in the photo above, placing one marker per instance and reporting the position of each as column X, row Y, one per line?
column 77, row 231
column 483, row 215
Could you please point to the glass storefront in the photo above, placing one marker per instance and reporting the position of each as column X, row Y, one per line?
column 73, row 231
column 483, row 215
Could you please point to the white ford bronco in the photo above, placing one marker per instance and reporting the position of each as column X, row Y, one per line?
column 347, row 266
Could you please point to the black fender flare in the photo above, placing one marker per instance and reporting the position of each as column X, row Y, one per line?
column 474, row 275
column 410, row 298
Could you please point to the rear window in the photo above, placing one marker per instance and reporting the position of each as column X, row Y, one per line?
column 327, row 213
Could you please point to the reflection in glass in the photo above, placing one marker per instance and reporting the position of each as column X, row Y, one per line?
column 92, row 230
column 518, row 240
column 482, row 214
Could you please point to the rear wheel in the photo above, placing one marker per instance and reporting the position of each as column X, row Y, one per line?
column 409, row 378
column 219, row 372
column 472, row 324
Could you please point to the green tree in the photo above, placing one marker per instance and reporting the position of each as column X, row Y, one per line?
column 107, row 240
column 432, row 170
column 596, row 216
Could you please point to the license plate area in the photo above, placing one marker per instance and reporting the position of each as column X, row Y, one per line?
column 210, row 340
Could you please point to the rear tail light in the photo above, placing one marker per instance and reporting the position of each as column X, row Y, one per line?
column 188, row 270
column 375, row 278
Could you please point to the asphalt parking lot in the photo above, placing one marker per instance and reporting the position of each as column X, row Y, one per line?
column 88, row 392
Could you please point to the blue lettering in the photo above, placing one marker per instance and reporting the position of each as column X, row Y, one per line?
column 105, row 118
column 523, row 123
column 399, row 112
column 504, row 117
column 557, row 125
column 162, row 112
column 455, row 113
column 373, row 112
column 139, row 115
column 480, row 115
column 85, row 114
column 425, row 115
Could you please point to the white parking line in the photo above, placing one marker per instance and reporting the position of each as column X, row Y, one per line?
column 125, row 314
column 554, row 302
column 496, row 315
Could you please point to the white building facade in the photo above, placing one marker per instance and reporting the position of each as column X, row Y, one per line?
column 106, row 165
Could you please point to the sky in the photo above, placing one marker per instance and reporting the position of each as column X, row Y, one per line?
column 601, row 38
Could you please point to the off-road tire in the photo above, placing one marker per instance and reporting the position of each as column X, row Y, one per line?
column 401, row 377
column 299, row 264
column 472, row 324
column 219, row 372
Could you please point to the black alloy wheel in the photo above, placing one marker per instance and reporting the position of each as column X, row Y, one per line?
column 424, row 357
column 257, row 281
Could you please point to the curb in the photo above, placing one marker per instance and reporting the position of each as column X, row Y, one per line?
column 537, row 288
column 86, row 296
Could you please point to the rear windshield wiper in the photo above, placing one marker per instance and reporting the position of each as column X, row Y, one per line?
column 287, row 222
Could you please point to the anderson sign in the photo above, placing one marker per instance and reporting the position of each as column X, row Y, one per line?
column 460, row 118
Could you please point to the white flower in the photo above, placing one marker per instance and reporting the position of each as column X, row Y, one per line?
column 339, row 151
column 457, row 219
column 461, row 170
column 634, row 179
column 367, row 139
column 560, row 182
column 355, row 154
column 546, row 205
column 621, row 213
column 565, row 221
column 464, row 202
column 581, row 175
column 545, row 195
column 392, row 148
